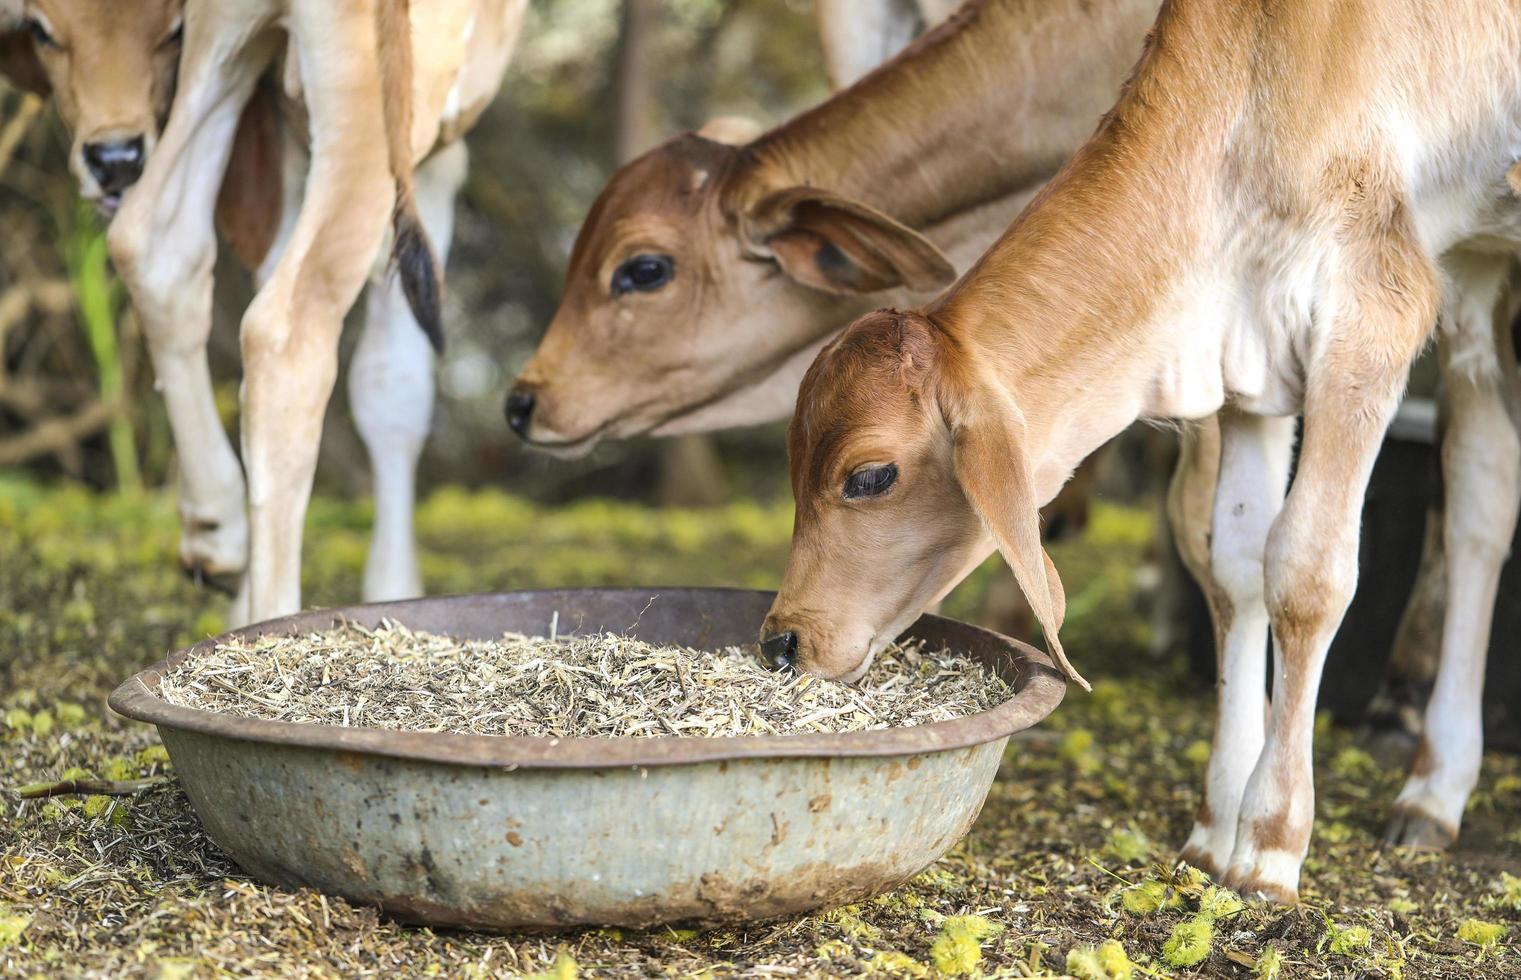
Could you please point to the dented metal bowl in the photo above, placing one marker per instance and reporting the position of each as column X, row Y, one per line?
column 506, row 832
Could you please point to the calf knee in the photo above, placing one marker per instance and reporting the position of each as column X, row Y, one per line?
column 1308, row 590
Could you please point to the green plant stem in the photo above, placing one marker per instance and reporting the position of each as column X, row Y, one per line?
column 97, row 294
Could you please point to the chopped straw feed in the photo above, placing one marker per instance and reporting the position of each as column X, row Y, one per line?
column 598, row 685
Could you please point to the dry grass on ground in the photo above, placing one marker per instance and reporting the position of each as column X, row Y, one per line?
column 1068, row 868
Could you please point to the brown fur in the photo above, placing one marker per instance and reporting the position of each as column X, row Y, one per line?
column 249, row 202
column 411, row 251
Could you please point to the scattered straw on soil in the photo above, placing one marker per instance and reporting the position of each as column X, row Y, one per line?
column 1068, row 872
column 599, row 684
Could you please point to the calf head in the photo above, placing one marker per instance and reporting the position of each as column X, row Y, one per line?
column 110, row 66
column 907, row 469
column 689, row 282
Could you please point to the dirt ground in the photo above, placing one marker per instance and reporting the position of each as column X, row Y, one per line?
column 1069, row 869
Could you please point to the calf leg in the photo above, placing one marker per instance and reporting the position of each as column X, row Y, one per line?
column 391, row 392
column 1394, row 723
column 1481, row 469
column 163, row 244
column 858, row 35
column 290, row 332
column 1310, row 564
column 1254, row 461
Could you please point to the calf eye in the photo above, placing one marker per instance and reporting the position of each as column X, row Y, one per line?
column 871, row 482
column 643, row 274
column 175, row 36
column 40, row 34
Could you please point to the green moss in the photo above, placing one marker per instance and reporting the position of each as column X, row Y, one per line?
column 1335, row 832
column 42, row 723
column 958, row 949
column 1510, row 892
column 118, row 768
column 11, row 928
column 1189, row 943
column 1353, row 763
column 70, row 715
column 1347, row 940
column 1197, row 753
column 153, row 755
column 18, row 719
column 1077, row 748
column 1219, row 903
column 1107, row 961
column 1482, row 934
column 94, row 806
column 1270, row 964
column 848, row 920
column 1129, row 846
column 209, row 623
column 1149, row 897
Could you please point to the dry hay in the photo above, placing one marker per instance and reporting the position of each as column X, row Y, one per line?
column 599, row 684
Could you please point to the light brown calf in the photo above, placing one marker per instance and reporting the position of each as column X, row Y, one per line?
column 1262, row 226
column 110, row 67
column 346, row 74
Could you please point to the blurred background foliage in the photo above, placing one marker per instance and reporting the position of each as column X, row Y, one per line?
column 76, row 396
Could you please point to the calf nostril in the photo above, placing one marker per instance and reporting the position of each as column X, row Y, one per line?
column 519, row 410
column 780, row 650
column 115, row 164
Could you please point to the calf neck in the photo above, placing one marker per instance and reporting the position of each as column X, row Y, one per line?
column 1261, row 227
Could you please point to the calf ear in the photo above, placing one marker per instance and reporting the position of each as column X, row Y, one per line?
column 18, row 62
column 991, row 468
column 841, row 246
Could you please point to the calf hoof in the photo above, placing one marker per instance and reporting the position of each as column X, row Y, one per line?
column 1195, row 855
column 214, row 545
column 223, row 582
column 1270, row 875
column 1255, row 885
column 1412, row 827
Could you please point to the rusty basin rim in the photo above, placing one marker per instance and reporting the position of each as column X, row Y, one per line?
column 1039, row 688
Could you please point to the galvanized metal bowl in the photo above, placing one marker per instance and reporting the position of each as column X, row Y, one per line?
column 507, row 832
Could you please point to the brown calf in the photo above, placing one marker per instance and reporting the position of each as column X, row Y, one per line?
column 706, row 275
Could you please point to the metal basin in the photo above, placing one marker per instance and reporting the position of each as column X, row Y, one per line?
column 507, row 832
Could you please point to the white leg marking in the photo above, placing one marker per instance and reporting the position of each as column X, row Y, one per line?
column 164, row 246
column 391, row 391
column 1481, row 466
column 858, row 35
column 1254, row 468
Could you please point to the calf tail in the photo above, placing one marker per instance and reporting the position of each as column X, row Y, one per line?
column 411, row 252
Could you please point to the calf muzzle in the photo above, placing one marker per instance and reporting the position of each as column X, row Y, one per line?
column 115, row 164
column 780, row 650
